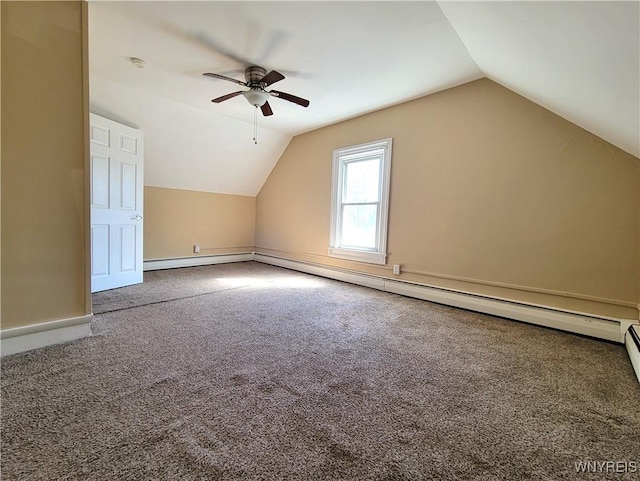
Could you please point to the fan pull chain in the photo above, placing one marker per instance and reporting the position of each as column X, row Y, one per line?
column 255, row 125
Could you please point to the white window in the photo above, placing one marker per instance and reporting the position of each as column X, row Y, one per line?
column 360, row 202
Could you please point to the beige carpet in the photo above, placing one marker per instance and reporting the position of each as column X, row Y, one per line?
column 252, row 372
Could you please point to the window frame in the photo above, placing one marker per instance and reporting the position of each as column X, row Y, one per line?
column 341, row 158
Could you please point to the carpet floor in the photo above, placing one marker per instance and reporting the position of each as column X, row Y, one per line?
column 252, row 372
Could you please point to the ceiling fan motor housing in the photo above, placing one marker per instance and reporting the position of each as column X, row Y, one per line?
column 254, row 74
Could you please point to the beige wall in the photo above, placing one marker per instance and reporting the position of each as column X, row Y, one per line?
column 490, row 193
column 176, row 220
column 44, row 116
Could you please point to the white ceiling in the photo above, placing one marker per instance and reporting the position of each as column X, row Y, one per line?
column 578, row 59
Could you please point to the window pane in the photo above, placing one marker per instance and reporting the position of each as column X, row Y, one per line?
column 361, row 181
column 359, row 226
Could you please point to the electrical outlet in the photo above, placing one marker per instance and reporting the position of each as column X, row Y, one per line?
column 396, row 269
column 196, row 248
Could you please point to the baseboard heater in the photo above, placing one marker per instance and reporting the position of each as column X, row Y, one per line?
column 195, row 261
column 579, row 323
column 632, row 342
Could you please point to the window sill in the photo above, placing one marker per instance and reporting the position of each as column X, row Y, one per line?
column 359, row 256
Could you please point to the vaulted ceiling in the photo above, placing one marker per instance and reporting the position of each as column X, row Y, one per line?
column 580, row 60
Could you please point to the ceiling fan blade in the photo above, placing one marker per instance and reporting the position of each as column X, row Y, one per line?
column 272, row 41
column 217, row 47
column 266, row 109
column 216, row 75
column 228, row 96
column 290, row 98
column 271, row 78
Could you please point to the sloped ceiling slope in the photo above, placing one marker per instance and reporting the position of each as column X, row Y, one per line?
column 578, row 59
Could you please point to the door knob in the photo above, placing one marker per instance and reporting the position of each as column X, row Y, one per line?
column 138, row 217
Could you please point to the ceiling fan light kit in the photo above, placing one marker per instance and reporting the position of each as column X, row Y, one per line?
column 256, row 97
column 257, row 79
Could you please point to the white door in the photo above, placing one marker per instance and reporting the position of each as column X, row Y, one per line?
column 116, row 204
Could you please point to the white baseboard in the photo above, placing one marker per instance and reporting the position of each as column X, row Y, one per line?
column 156, row 264
column 20, row 339
column 578, row 323
column 632, row 342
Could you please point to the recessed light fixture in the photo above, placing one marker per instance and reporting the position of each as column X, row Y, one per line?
column 138, row 62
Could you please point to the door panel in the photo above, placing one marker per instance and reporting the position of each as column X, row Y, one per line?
column 99, row 182
column 116, row 204
column 99, row 250
column 128, row 191
column 127, row 248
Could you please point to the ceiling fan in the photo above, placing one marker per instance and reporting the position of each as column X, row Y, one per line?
column 257, row 79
